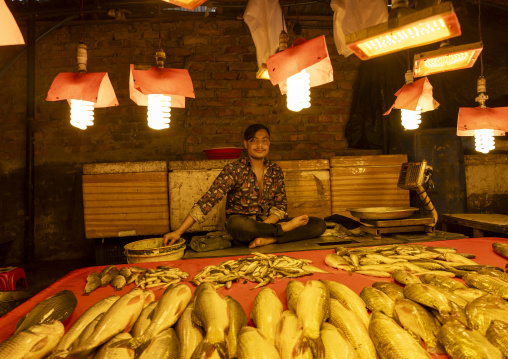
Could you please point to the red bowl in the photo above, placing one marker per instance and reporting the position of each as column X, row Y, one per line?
column 223, row 153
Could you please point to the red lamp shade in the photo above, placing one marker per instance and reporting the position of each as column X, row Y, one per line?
column 94, row 87
column 176, row 83
column 10, row 34
column 186, row 4
column 478, row 118
column 311, row 55
column 413, row 95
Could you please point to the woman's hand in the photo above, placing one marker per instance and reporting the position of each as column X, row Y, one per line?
column 170, row 238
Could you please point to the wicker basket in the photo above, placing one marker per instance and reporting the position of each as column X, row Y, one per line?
column 152, row 250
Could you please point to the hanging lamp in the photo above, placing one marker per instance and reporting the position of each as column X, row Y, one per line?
column 304, row 65
column 84, row 91
column 412, row 99
column 187, row 4
column 10, row 34
column 159, row 89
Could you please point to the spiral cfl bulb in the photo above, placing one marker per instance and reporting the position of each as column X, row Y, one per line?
column 159, row 111
column 81, row 114
column 298, row 91
column 484, row 140
column 411, row 119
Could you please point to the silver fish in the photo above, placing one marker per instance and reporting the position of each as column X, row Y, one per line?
column 189, row 334
column 404, row 277
column 392, row 290
column 164, row 345
column 497, row 334
column 440, row 281
column 293, row 290
column 353, row 328
column 376, row 300
column 108, row 274
column 253, row 345
column 266, row 313
column 110, row 351
column 34, row 342
column 118, row 282
column 313, row 308
column 57, row 307
column 125, row 272
column 469, row 294
column 85, row 334
column 289, row 338
column 86, row 318
column 487, row 283
column 349, row 299
column 93, row 281
column 393, row 342
column 237, row 320
column 429, row 296
column 501, row 249
column 461, row 342
column 482, row 311
column 144, row 320
column 336, row 344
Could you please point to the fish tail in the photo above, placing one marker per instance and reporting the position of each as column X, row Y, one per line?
column 317, row 346
column 208, row 348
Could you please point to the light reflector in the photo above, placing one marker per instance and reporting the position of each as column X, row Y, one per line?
column 447, row 58
column 422, row 27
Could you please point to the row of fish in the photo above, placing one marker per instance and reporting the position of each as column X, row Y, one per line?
column 260, row 268
column 146, row 278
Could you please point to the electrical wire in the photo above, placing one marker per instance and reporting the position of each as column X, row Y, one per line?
column 480, row 32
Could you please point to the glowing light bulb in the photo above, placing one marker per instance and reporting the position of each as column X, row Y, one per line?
column 411, row 119
column 81, row 114
column 298, row 91
column 159, row 111
column 484, row 140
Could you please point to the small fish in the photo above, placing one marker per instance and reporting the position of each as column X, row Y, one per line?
column 482, row 311
column 377, row 301
column 125, row 271
column 461, row 342
column 501, row 249
column 253, row 345
column 487, row 283
column 118, row 282
column 93, row 281
column 469, row 294
column 440, row 281
column 393, row 342
column 494, row 273
column 392, row 290
column 108, row 274
column 404, row 277
column 429, row 296
column 497, row 334
column 266, row 313
column 335, row 261
column 164, row 345
column 57, row 307
column 293, row 290
column 34, row 342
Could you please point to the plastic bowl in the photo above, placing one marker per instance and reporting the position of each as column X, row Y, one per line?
column 223, row 153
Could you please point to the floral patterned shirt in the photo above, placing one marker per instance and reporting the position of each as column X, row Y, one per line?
column 238, row 182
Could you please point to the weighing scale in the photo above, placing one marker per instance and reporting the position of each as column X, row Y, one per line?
column 379, row 220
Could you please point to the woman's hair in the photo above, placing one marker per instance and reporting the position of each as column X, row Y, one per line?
column 250, row 132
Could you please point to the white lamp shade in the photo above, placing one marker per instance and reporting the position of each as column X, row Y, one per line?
column 413, row 95
column 10, row 34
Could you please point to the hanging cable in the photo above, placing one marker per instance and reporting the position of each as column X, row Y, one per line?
column 480, row 32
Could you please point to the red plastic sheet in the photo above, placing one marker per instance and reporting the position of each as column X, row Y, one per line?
column 242, row 292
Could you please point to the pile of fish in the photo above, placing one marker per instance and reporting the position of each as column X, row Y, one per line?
column 260, row 268
column 146, row 278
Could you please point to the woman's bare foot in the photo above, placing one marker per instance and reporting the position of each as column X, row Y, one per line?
column 258, row 242
column 295, row 223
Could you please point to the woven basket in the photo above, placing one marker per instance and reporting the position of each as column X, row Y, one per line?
column 152, row 250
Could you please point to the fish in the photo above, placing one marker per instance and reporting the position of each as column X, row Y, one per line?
column 501, row 249
column 189, row 334
column 289, row 338
column 108, row 274
column 118, row 282
column 497, row 334
column 457, row 258
column 293, row 290
column 349, row 299
column 254, row 345
column 166, row 313
column 374, row 273
column 120, row 317
column 144, row 320
column 418, row 322
column 110, row 351
column 212, row 314
column 336, row 261
column 164, row 345
column 440, row 281
column 461, row 342
column 57, row 307
column 313, row 309
column 377, row 301
column 494, row 273
column 487, row 283
column 404, row 277
column 429, row 296
column 482, row 311
column 85, row 334
column 93, row 281
column 82, row 322
column 392, row 290
column 393, row 342
column 34, row 342
column 335, row 343
column 237, row 320
column 125, row 272
column 469, row 294
column 266, row 313
column 353, row 329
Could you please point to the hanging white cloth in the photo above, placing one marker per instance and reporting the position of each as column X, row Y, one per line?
column 353, row 15
column 264, row 18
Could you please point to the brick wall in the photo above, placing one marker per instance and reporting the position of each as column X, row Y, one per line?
column 221, row 59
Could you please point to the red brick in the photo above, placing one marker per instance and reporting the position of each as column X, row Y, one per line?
column 229, row 93
column 219, row 102
column 229, row 112
column 226, row 76
column 228, row 57
column 253, row 84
